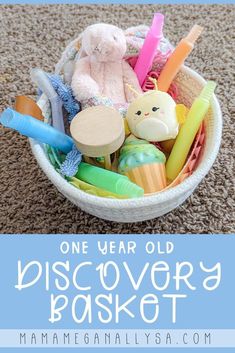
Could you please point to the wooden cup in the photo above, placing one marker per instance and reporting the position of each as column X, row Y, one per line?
column 98, row 132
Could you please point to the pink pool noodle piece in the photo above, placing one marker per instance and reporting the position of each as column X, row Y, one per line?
column 147, row 52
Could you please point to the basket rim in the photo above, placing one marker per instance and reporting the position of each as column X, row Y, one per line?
column 183, row 188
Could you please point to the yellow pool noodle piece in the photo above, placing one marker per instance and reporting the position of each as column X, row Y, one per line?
column 188, row 131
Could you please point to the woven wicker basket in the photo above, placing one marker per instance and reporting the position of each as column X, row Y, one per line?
column 189, row 84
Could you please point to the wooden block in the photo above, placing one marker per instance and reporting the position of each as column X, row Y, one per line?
column 98, row 131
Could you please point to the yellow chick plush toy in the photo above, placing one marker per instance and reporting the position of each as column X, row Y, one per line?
column 153, row 116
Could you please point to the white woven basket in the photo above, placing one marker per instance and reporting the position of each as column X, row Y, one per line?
column 134, row 210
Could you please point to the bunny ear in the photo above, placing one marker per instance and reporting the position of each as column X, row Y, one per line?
column 69, row 54
column 81, row 51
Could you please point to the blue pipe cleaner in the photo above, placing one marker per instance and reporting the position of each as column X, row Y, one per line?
column 70, row 166
column 64, row 91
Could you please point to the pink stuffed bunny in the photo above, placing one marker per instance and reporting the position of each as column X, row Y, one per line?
column 101, row 69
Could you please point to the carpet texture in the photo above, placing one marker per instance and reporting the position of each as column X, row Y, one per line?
column 35, row 36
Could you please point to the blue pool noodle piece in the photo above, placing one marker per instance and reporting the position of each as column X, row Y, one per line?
column 40, row 131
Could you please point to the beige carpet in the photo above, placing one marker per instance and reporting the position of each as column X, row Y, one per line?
column 34, row 36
